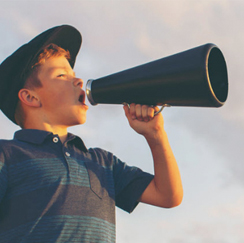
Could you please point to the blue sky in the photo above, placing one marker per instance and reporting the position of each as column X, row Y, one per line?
column 207, row 142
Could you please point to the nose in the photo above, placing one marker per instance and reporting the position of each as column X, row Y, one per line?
column 78, row 82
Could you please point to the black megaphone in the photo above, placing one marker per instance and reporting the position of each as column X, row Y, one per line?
column 196, row 77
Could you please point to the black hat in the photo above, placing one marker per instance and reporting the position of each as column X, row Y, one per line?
column 14, row 68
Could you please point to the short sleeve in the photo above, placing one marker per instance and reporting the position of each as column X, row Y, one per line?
column 130, row 182
column 3, row 176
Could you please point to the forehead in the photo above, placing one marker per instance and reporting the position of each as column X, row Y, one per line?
column 53, row 64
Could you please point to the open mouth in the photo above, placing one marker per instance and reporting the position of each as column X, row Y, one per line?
column 82, row 97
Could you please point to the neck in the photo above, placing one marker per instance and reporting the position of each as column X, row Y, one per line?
column 61, row 131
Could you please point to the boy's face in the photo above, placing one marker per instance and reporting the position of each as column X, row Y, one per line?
column 61, row 95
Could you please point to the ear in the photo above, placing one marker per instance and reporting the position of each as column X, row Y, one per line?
column 29, row 98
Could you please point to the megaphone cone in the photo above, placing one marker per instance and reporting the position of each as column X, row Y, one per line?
column 196, row 77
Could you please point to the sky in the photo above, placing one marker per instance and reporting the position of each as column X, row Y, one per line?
column 207, row 142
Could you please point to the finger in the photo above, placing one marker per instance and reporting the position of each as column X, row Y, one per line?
column 145, row 113
column 133, row 111
column 138, row 111
column 156, row 108
column 150, row 112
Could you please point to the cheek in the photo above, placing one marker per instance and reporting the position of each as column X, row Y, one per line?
column 57, row 95
column 63, row 95
column 53, row 101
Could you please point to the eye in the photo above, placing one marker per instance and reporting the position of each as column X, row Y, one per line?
column 61, row 75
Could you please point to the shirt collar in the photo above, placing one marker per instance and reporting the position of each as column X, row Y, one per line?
column 77, row 141
column 38, row 137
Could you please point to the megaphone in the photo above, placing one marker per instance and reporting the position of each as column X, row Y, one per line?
column 196, row 77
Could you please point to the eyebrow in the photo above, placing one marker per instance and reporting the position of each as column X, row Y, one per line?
column 63, row 68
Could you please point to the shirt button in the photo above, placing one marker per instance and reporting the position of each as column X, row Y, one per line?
column 67, row 154
column 55, row 139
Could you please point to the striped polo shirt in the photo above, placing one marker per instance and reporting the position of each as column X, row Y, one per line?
column 54, row 192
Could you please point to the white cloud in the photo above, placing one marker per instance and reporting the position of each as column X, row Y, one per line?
column 207, row 142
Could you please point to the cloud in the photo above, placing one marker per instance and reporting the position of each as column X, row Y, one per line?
column 207, row 142
column 119, row 35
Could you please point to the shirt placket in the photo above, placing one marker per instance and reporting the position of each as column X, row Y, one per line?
column 65, row 152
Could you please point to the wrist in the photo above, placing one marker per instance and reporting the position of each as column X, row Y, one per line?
column 156, row 137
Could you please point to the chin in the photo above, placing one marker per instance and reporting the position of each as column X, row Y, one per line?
column 77, row 118
column 76, row 123
column 80, row 120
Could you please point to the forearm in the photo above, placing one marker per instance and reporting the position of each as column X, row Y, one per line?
column 165, row 190
column 167, row 179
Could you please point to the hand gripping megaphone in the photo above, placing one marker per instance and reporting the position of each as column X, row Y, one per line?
column 196, row 77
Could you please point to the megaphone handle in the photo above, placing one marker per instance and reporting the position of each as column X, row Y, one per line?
column 165, row 105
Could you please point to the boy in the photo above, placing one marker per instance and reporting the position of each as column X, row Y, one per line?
column 52, row 188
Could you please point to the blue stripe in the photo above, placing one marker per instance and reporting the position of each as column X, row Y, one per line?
column 34, row 174
column 63, row 229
